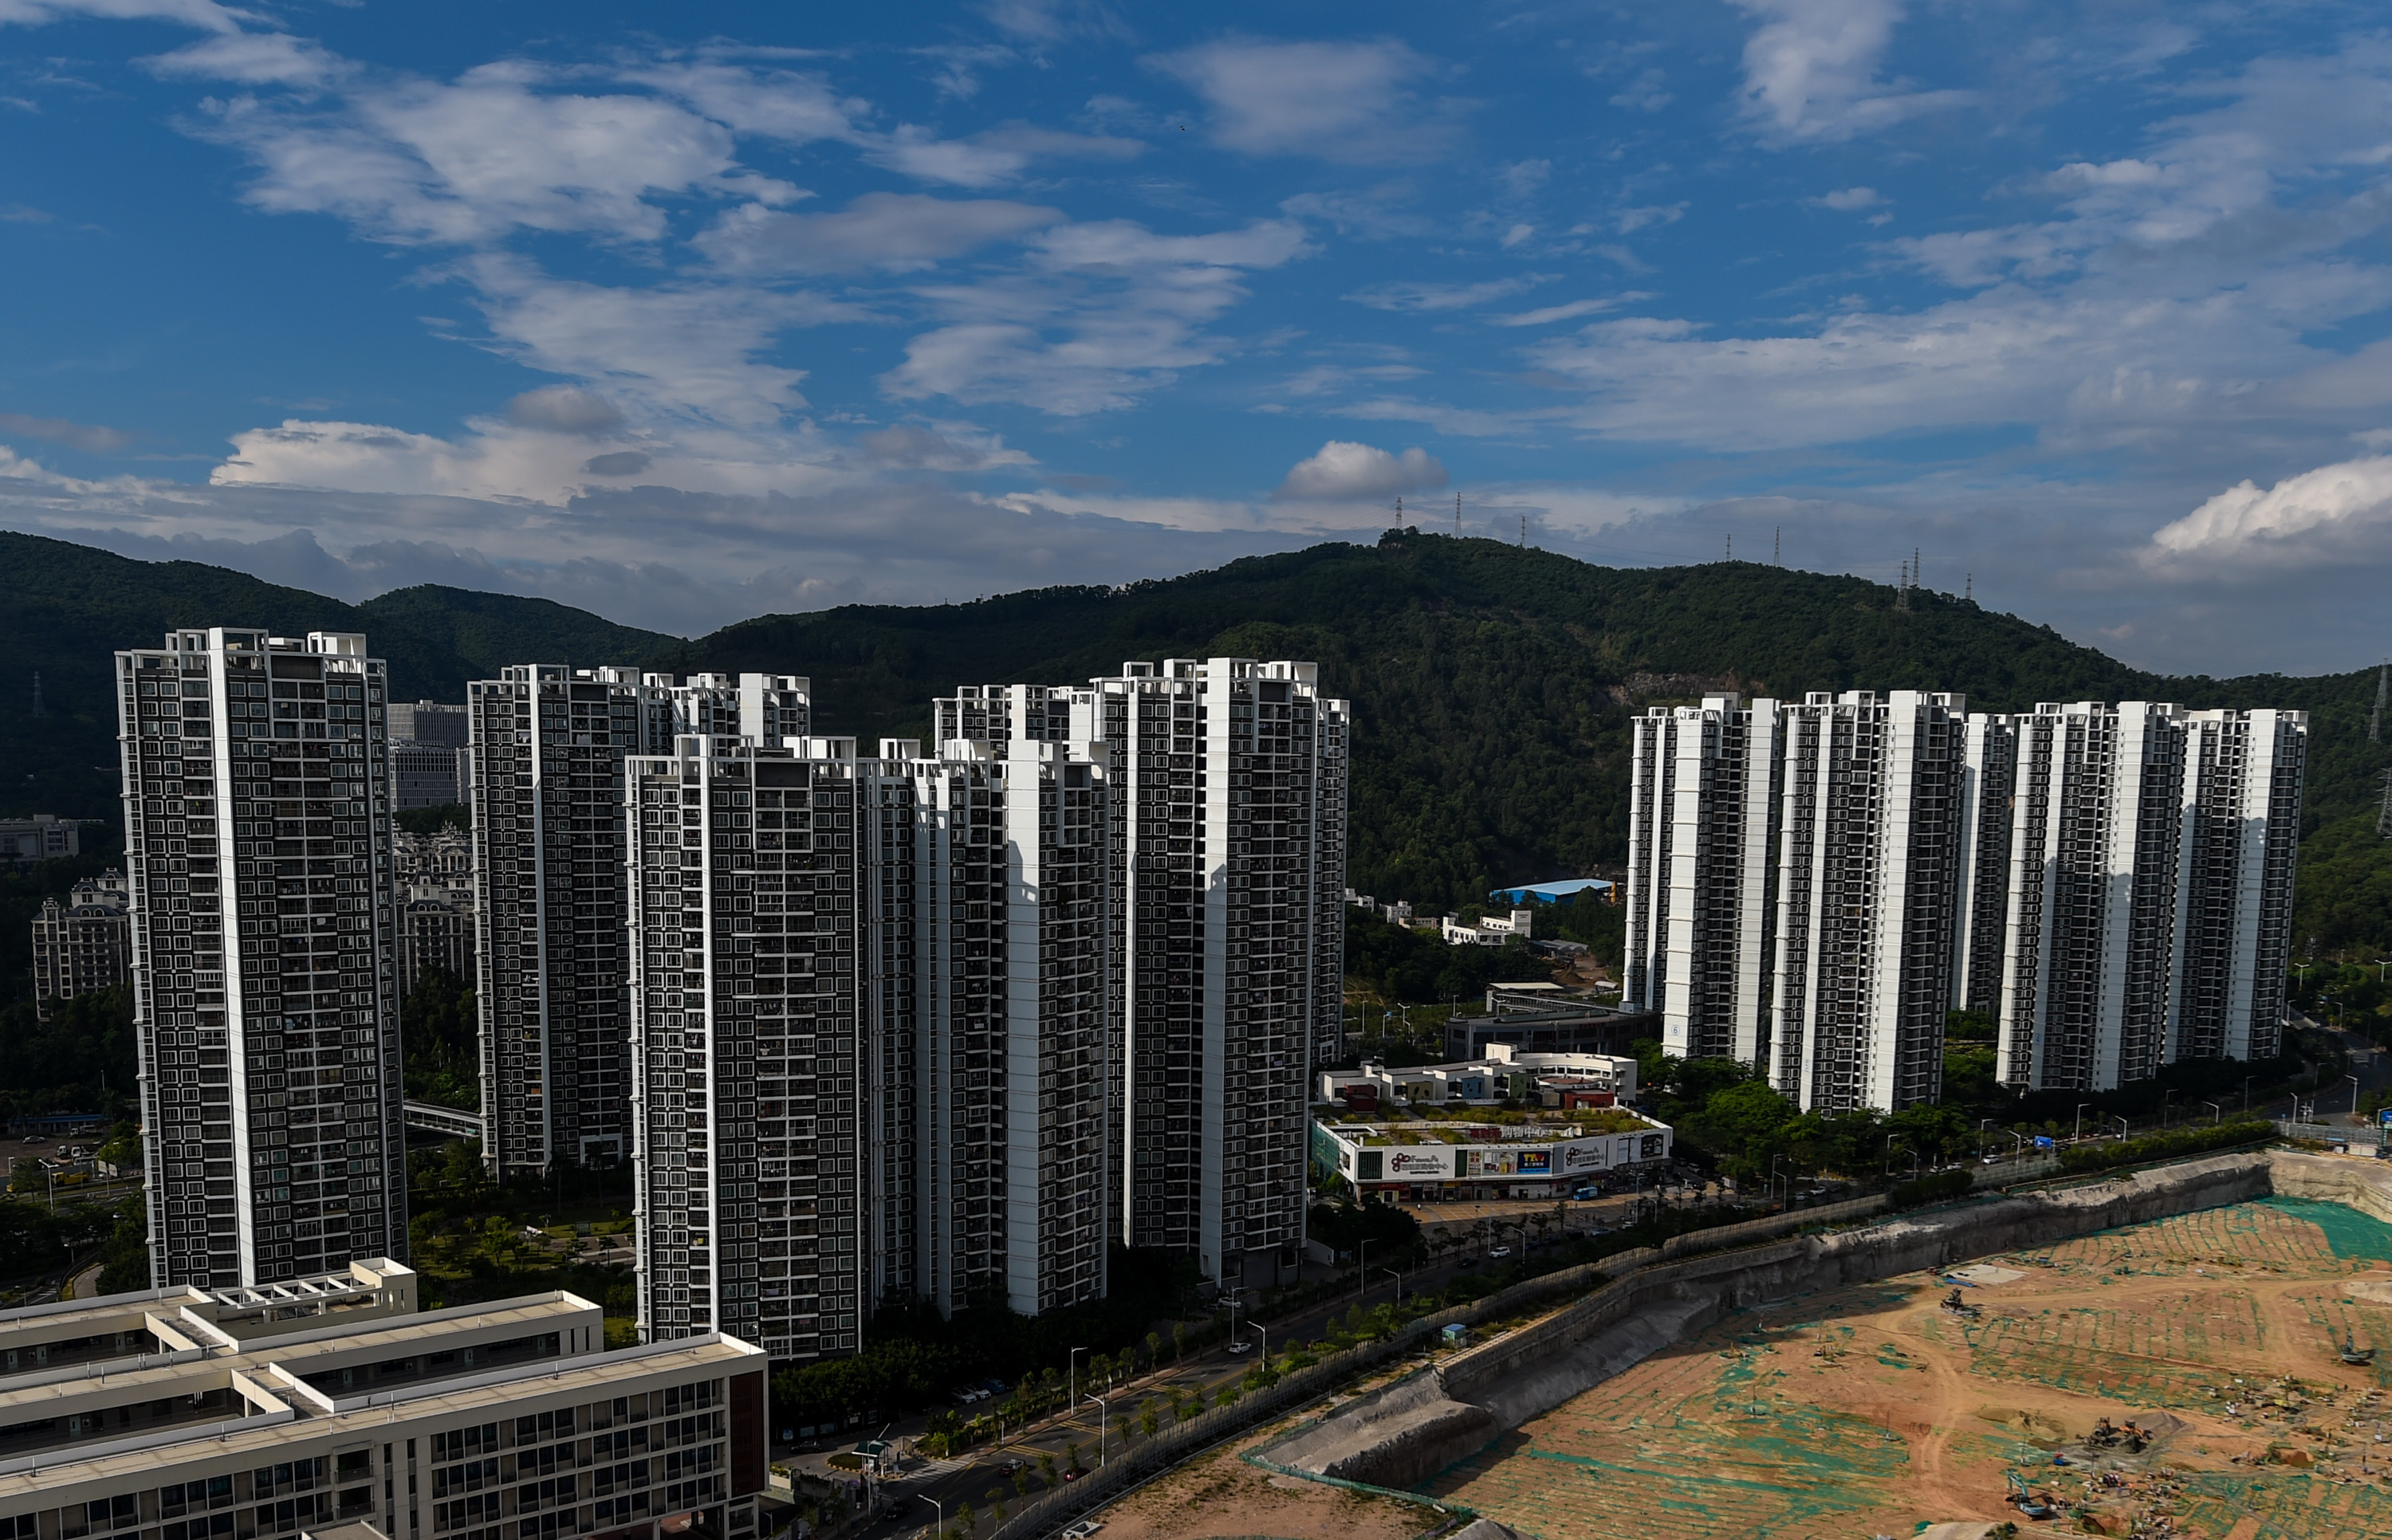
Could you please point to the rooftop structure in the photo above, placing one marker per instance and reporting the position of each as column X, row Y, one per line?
column 277, row 1410
column 1542, row 1017
column 1504, row 1074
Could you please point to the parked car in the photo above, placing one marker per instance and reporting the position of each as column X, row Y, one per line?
column 1242, row 1346
column 1081, row 1529
column 1470, row 1262
column 1498, row 1251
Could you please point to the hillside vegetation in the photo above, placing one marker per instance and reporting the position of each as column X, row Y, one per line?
column 66, row 609
column 1492, row 685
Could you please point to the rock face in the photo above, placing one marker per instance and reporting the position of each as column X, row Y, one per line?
column 1392, row 1438
column 1401, row 1436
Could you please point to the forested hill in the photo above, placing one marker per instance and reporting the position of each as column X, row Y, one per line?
column 1492, row 685
column 65, row 610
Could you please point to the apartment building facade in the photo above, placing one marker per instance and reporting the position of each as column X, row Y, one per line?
column 1228, row 832
column 548, row 744
column 2150, row 903
column 2112, row 883
column 263, row 954
column 83, row 944
column 1867, row 870
column 1703, row 784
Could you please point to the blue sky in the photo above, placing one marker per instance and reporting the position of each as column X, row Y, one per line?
column 687, row 313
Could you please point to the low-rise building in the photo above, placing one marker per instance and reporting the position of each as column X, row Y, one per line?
column 1547, row 1019
column 1503, row 1074
column 1492, row 931
column 43, row 836
column 84, row 944
column 266, row 1413
column 1543, row 1159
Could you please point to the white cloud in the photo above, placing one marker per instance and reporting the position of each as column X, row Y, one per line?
column 941, row 447
column 563, row 409
column 2331, row 514
column 1342, row 472
column 889, row 231
column 417, row 160
column 254, row 59
column 1552, row 313
column 1811, row 71
column 1849, row 200
column 1104, row 313
column 203, row 15
column 999, row 155
column 1347, row 102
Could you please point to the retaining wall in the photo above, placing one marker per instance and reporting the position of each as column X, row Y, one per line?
column 1405, row 1435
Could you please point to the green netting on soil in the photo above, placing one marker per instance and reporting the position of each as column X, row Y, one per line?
column 2351, row 1234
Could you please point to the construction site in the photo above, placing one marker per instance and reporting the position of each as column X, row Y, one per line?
column 2181, row 1377
column 2188, row 1350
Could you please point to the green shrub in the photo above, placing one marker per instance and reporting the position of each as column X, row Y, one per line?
column 2161, row 1146
column 1930, row 1189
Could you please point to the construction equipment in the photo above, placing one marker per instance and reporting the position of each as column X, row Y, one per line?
column 2352, row 1354
column 1954, row 1305
column 2032, row 1505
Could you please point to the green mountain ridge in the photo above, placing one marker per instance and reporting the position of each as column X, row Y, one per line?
column 1492, row 685
column 66, row 609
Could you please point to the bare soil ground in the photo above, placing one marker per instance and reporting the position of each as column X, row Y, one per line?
column 1872, row 1411
column 1222, row 1496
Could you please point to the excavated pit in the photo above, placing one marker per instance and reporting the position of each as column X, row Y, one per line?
column 1404, row 1434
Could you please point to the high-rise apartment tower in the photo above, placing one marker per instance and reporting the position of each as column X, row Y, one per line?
column 547, row 751
column 1229, row 830
column 265, row 993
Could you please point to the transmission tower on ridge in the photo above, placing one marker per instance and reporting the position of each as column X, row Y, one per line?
column 2375, row 719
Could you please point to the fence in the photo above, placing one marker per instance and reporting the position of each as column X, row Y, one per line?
column 2369, row 1135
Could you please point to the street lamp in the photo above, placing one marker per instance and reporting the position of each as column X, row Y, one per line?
column 2246, row 1091
column 2217, row 1113
column 1772, row 1178
column 1361, row 1268
column 2080, row 1120
column 1104, row 1414
column 1071, row 1372
column 942, row 1510
column 2354, row 1093
column 1399, row 1292
column 1259, row 1329
column 2122, row 1128
column 2166, row 1107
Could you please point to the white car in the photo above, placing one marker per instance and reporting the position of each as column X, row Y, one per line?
column 1501, row 1251
column 1242, row 1346
column 1081, row 1529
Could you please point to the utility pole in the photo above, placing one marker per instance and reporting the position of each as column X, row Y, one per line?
column 1399, row 513
column 1730, row 556
column 1777, row 547
column 1901, row 590
column 1969, row 591
column 1457, row 515
column 1524, row 532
